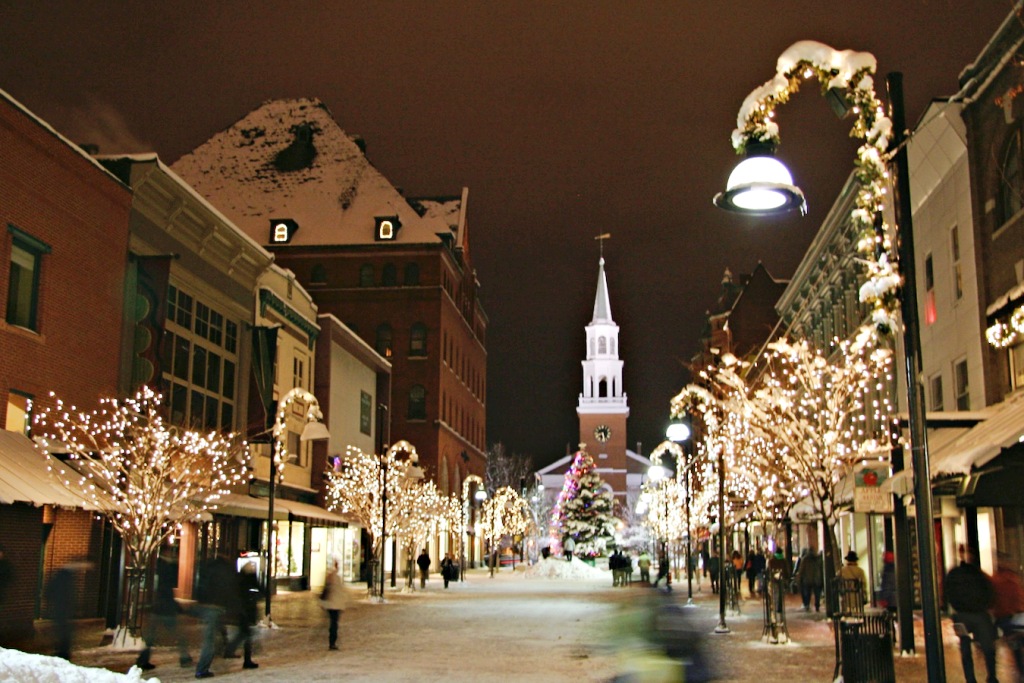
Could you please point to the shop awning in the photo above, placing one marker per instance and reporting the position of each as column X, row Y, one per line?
column 241, row 505
column 1002, row 427
column 312, row 513
column 24, row 477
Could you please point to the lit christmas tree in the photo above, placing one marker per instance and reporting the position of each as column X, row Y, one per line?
column 584, row 509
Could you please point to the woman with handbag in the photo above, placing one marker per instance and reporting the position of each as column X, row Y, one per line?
column 334, row 599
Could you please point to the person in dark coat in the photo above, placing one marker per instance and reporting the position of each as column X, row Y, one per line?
column 887, row 585
column 968, row 590
column 163, row 614
column 61, row 595
column 810, row 578
column 714, row 567
column 246, row 614
column 448, row 570
column 217, row 597
column 423, row 562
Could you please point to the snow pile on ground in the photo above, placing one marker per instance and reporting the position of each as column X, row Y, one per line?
column 552, row 568
column 22, row 667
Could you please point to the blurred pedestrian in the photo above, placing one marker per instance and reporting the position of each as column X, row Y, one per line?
column 887, row 584
column 714, row 568
column 423, row 562
column 1008, row 608
column 737, row 567
column 61, row 596
column 644, row 564
column 163, row 615
column 615, row 564
column 448, row 571
column 664, row 572
column 750, row 569
column 568, row 548
column 968, row 590
column 334, row 600
column 810, row 578
column 246, row 612
column 705, row 557
column 217, row 596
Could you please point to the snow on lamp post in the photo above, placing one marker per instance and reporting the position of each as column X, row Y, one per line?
column 847, row 78
column 313, row 430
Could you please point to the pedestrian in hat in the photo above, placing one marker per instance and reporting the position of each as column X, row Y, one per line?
column 854, row 595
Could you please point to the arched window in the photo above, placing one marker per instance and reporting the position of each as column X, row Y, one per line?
column 384, row 344
column 318, row 275
column 1011, row 187
column 602, row 388
column 366, row 275
column 417, row 403
column 418, row 340
column 602, row 345
column 412, row 274
column 389, row 276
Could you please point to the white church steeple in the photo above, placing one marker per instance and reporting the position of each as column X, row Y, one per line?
column 602, row 369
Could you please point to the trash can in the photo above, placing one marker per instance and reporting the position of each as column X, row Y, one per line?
column 866, row 648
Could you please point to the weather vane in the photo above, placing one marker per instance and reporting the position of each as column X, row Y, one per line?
column 600, row 240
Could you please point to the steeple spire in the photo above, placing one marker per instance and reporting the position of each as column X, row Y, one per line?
column 602, row 306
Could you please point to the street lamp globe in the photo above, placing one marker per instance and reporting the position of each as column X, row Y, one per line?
column 678, row 432
column 761, row 185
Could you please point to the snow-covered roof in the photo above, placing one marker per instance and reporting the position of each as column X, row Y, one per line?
column 291, row 159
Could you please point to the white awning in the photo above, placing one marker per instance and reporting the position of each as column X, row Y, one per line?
column 311, row 512
column 1002, row 427
column 24, row 477
column 241, row 505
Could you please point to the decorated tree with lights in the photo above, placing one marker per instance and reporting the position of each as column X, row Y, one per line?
column 505, row 513
column 585, row 509
column 817, row 416
column 145, row 476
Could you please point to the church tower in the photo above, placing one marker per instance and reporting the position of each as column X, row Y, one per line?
column 602, row 407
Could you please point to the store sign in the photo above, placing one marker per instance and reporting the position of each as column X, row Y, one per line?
column 871, row 491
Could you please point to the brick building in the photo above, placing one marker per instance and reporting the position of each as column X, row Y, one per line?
column 56, row 205
column 397, row 271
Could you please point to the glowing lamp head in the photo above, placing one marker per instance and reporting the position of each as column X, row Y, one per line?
column 656, row 472
column 678, row 431
column 761, row 184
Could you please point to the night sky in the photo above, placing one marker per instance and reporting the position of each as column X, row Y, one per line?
column 564, row 119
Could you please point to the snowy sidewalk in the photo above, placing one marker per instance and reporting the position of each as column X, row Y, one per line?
column 513, row 628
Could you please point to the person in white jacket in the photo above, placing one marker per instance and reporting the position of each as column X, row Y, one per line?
column 334, row 599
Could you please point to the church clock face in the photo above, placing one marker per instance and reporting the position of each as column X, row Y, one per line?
column 603, row 433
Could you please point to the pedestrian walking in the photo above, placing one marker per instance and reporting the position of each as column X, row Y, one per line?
column 163, row 616
column 810, row 578
column 246, row 611
column 968, row 590
column 217, row 596
column 853, row 600
column 423, row 562
column 568, row 548
column 664, row 572
column 714, row 568
column 448, row 571
column 887, row 582
column 644, row 564
column 61, row 597
column 334, row 599
column 615, row 564
column 737, row 571
column 1008, row 608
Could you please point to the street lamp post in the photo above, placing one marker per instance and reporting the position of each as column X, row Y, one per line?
column 679, row 432
column 722, row 627
column 413, row 471
column 849, row 82
column 313, row 430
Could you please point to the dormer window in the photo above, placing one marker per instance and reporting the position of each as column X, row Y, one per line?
column 386, row 228
column 282, row 230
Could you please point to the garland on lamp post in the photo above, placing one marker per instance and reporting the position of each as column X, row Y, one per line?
column 847, row 75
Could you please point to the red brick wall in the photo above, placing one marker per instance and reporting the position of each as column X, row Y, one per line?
column 52, row 192
column 76, row 536
column 20, row 535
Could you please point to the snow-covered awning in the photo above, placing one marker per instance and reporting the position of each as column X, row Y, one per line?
column 311, row 512
column 24, row 477
column 1002, row 427
column 241, row 505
